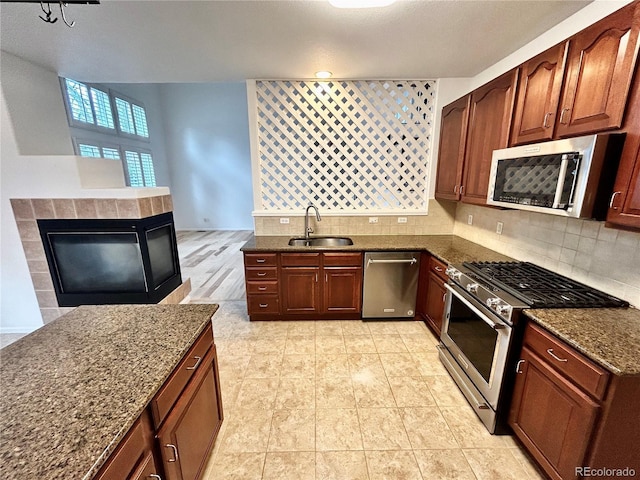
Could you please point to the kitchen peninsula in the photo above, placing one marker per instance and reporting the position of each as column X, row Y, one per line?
column 72, row 390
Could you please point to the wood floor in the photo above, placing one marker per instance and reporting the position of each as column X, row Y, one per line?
column 214, row 262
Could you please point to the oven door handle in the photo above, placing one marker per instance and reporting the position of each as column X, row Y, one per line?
column 474, row 309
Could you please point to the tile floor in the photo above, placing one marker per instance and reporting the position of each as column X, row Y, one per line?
column 346, row 400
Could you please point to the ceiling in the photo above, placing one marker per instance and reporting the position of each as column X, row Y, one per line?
column 205, row 41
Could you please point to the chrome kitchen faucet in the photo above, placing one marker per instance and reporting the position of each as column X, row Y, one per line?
column 307, row 228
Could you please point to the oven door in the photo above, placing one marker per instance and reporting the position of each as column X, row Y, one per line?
column 478, row 341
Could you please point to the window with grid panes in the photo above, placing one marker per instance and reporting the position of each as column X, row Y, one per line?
column 132, row 118
column 140, row 169
column 88, row 105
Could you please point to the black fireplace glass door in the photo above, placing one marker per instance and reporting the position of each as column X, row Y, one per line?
column 161, row 254
column 98, row 262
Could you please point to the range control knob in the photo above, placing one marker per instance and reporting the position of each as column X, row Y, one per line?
column 503, row 310
column 472, row 288
column 492, row 302
column 453, row 273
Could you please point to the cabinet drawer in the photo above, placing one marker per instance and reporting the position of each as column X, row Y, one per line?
column 342, row 259
column 260, row 288
column 566, row 360
column 266, row 273
column 171, row 390
column 299, row 259
column 438, row 267
column 263, row 304
column 259, row 259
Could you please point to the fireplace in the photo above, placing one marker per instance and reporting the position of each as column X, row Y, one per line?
column 110, row 261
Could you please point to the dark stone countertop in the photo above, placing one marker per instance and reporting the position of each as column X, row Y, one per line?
column 72, row 389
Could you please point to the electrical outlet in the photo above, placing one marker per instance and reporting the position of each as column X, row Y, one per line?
column 499, row 228
column 402, row 219
column 373, row 219
column 470, row 220
column 205, row 220
column 284, row 221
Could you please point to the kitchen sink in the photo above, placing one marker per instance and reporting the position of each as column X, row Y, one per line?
column 320, row 242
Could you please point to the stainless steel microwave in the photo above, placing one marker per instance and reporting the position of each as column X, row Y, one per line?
column 572, row 177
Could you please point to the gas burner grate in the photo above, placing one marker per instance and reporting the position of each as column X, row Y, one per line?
column 542, row 288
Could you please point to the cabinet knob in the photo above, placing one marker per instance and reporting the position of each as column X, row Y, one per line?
column 175, row 452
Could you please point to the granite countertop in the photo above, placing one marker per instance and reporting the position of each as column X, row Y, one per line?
column 72, row 389
column 608, row 336
column 448, row 248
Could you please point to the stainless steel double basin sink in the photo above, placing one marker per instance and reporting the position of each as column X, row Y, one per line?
column 320, row 242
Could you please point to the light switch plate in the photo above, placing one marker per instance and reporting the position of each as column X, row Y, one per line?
column 499, row 228
column 470, row 220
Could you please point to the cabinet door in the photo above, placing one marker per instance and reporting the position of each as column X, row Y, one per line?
column 187, row 437
column 600, row 67
column 538, row 96
column 435, row 302
column 300, row 290
column 343, row 289
column 489, row 126
column 551, row 416
column 453, row 136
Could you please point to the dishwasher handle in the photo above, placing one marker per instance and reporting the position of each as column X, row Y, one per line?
column 411, row 261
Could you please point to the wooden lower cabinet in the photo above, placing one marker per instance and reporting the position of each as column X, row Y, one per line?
column 187, row 436
column 300, row 290
column 431, row 292
column 569, row 412
column 435, row 302
column 342, row 289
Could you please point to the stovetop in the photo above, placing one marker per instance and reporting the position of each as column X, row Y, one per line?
column 541, row 288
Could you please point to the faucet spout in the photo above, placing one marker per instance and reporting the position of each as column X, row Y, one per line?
column 307, row 228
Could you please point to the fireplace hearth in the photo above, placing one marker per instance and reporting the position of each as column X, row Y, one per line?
column 111, row 261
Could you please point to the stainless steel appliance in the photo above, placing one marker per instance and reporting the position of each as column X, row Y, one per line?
column 572, row 177
column 482, row 326
column 390, row 284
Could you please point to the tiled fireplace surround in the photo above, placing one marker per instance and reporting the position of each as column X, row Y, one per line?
column 28, row 210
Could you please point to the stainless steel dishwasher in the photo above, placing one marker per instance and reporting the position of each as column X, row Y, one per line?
column 390, row 284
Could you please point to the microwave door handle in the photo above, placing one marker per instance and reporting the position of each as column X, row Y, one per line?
column 561, row 179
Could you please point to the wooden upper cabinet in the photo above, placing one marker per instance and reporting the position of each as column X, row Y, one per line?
column 600, row 67
column 538, row 96
column 453, row 136
column 490, row 114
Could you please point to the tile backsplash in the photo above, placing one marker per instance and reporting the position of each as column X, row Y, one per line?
column 585, row 250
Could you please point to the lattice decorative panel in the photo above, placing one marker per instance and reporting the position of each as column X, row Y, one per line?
column 344, row 145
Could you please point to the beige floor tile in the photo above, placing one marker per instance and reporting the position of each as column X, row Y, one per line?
column 366, row 365
column 290, row 466
column 300, row 344
column 372, row 392
column 419, row 342
column 293, row 430
column 232, row 367
column 445, row 392
column 246, row 431
column 359, row 344
column 301, row 328
column 527, row 463
column 332, row 365
column 350, row 465
column 326, row 344
column 448, row 464
column 258, row 393
column 399, row 365
column 469, row 431
column 494, row 464
column 270, row 345
column 338, row 429
column 298, row 366
column 382, row 327
column 382, row 429
column 296, row 393
column 334, row 393
column 355, row 327
column 389, row 343
column 392, row 465
column 235, row 346
column 429, row 363
column 328, row 327
column 427, row 428
column 263, row 366
column 236, row 466
column 411, row 392
column 409, row 327
column 229, row 392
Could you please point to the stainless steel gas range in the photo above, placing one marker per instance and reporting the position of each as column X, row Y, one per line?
column 481, row 329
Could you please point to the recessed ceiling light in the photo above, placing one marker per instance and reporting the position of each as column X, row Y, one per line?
column 360, row 3
column 324, row 74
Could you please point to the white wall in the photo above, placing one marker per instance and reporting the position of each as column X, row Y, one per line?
column 207, row 147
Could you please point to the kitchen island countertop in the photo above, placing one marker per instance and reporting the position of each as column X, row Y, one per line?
column 72, row 389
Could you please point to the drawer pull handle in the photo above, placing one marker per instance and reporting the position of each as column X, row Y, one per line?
column 444, row 297
column 520, row 362
column 562, row 115
column 262, row 289
column 261, row 274
column 260, row 260
column 264, row 305
column 155, row 476
column 175, row 453
column 197, row 364
column 613, row 197
column 546, row 117
column 439, row 269
column 550, row 352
